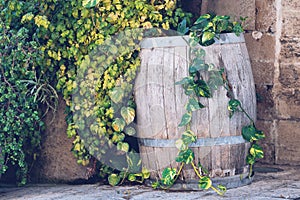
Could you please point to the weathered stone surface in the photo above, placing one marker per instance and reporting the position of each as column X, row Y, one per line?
column 289, row 75
column 265, row 16
column 263, row 72
column 265, row 103
column 289, row 5
column 288, row 101
column 288, row 151
column 235, row 8
column 290, row 49
column 268, row 144
column 57, row 163
column 262, row 49
column 291, row 23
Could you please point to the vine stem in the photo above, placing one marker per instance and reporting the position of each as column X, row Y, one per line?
column 250, row 171
column 196, row 170
column 243, row 110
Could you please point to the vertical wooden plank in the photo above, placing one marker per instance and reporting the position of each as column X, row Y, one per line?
column 156, row 104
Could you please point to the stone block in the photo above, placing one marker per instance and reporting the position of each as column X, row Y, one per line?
column 265, row 103
column 287, row 149
column 263, row 72
column 291, row 23
column 289, row 5
column 265, row 16
column 235, row 8
column 288, row 102
column 56, row 161
column 289, row 75
column 262, row 49
column 290, row 49
column 268, row 144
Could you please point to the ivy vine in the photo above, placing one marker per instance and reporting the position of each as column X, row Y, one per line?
column 23, row 88
column 205, row 30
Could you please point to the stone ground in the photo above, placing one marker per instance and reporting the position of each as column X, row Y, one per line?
column 270, row 182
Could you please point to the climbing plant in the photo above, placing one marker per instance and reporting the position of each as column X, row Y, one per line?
column 203, row 32
column 23, row 87
column 77, row 42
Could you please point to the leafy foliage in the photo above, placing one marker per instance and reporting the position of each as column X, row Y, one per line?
column 62, row 35
column 23, row 87
column 209, row 26
column 203, row 32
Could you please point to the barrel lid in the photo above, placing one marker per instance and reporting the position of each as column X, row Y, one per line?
column 183, row 41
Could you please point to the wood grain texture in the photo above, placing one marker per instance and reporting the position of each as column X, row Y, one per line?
column 160, row 105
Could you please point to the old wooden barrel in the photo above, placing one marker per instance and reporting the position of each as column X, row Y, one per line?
column 220, row 147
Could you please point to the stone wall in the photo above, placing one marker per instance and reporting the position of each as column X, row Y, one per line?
column 273, row 41
column 56, row 162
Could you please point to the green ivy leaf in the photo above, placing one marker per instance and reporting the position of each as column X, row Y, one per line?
column 130, row 131
column 90, row 3
column 189, row 137
column 168, row 176
column 155, row 185
column 193, row 105
column 117, row 94
column 146, row 173
column 256, row 151
column 128, row 114
column 114, row 179
column 180, row 145
column 186, row 156
column 185, row 80
column 215, row 79
column 118, row 124
column 233, row 106
column 222, row 188
column 186, row 118
column 250, row 159
column 123, row 146
column 250, row 133
column 202, row 89
column 182, row 28
column 207, row 37
column 131, row 177
column 205, row 183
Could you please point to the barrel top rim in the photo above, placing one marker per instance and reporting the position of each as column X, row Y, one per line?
column 183, row 41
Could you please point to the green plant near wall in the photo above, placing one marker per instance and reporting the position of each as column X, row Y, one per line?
column 68, row 33
column 23, row 88
column 205, row 30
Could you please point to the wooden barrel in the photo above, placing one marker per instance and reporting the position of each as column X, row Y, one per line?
column 220, row 147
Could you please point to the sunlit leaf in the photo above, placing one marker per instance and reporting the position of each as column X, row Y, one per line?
column 250, row 159
column 90, row 3
column 113, row 179
column 123, row 146
column 118, row 124
column 130, row 131
column 131, row 177
column 188, row 137
column 117, row 94
column 168, row 176
column 186, row 156
column 128, row 114
column 180, row 145
column 256, row 151
column 207, row 37
column 205, row 183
